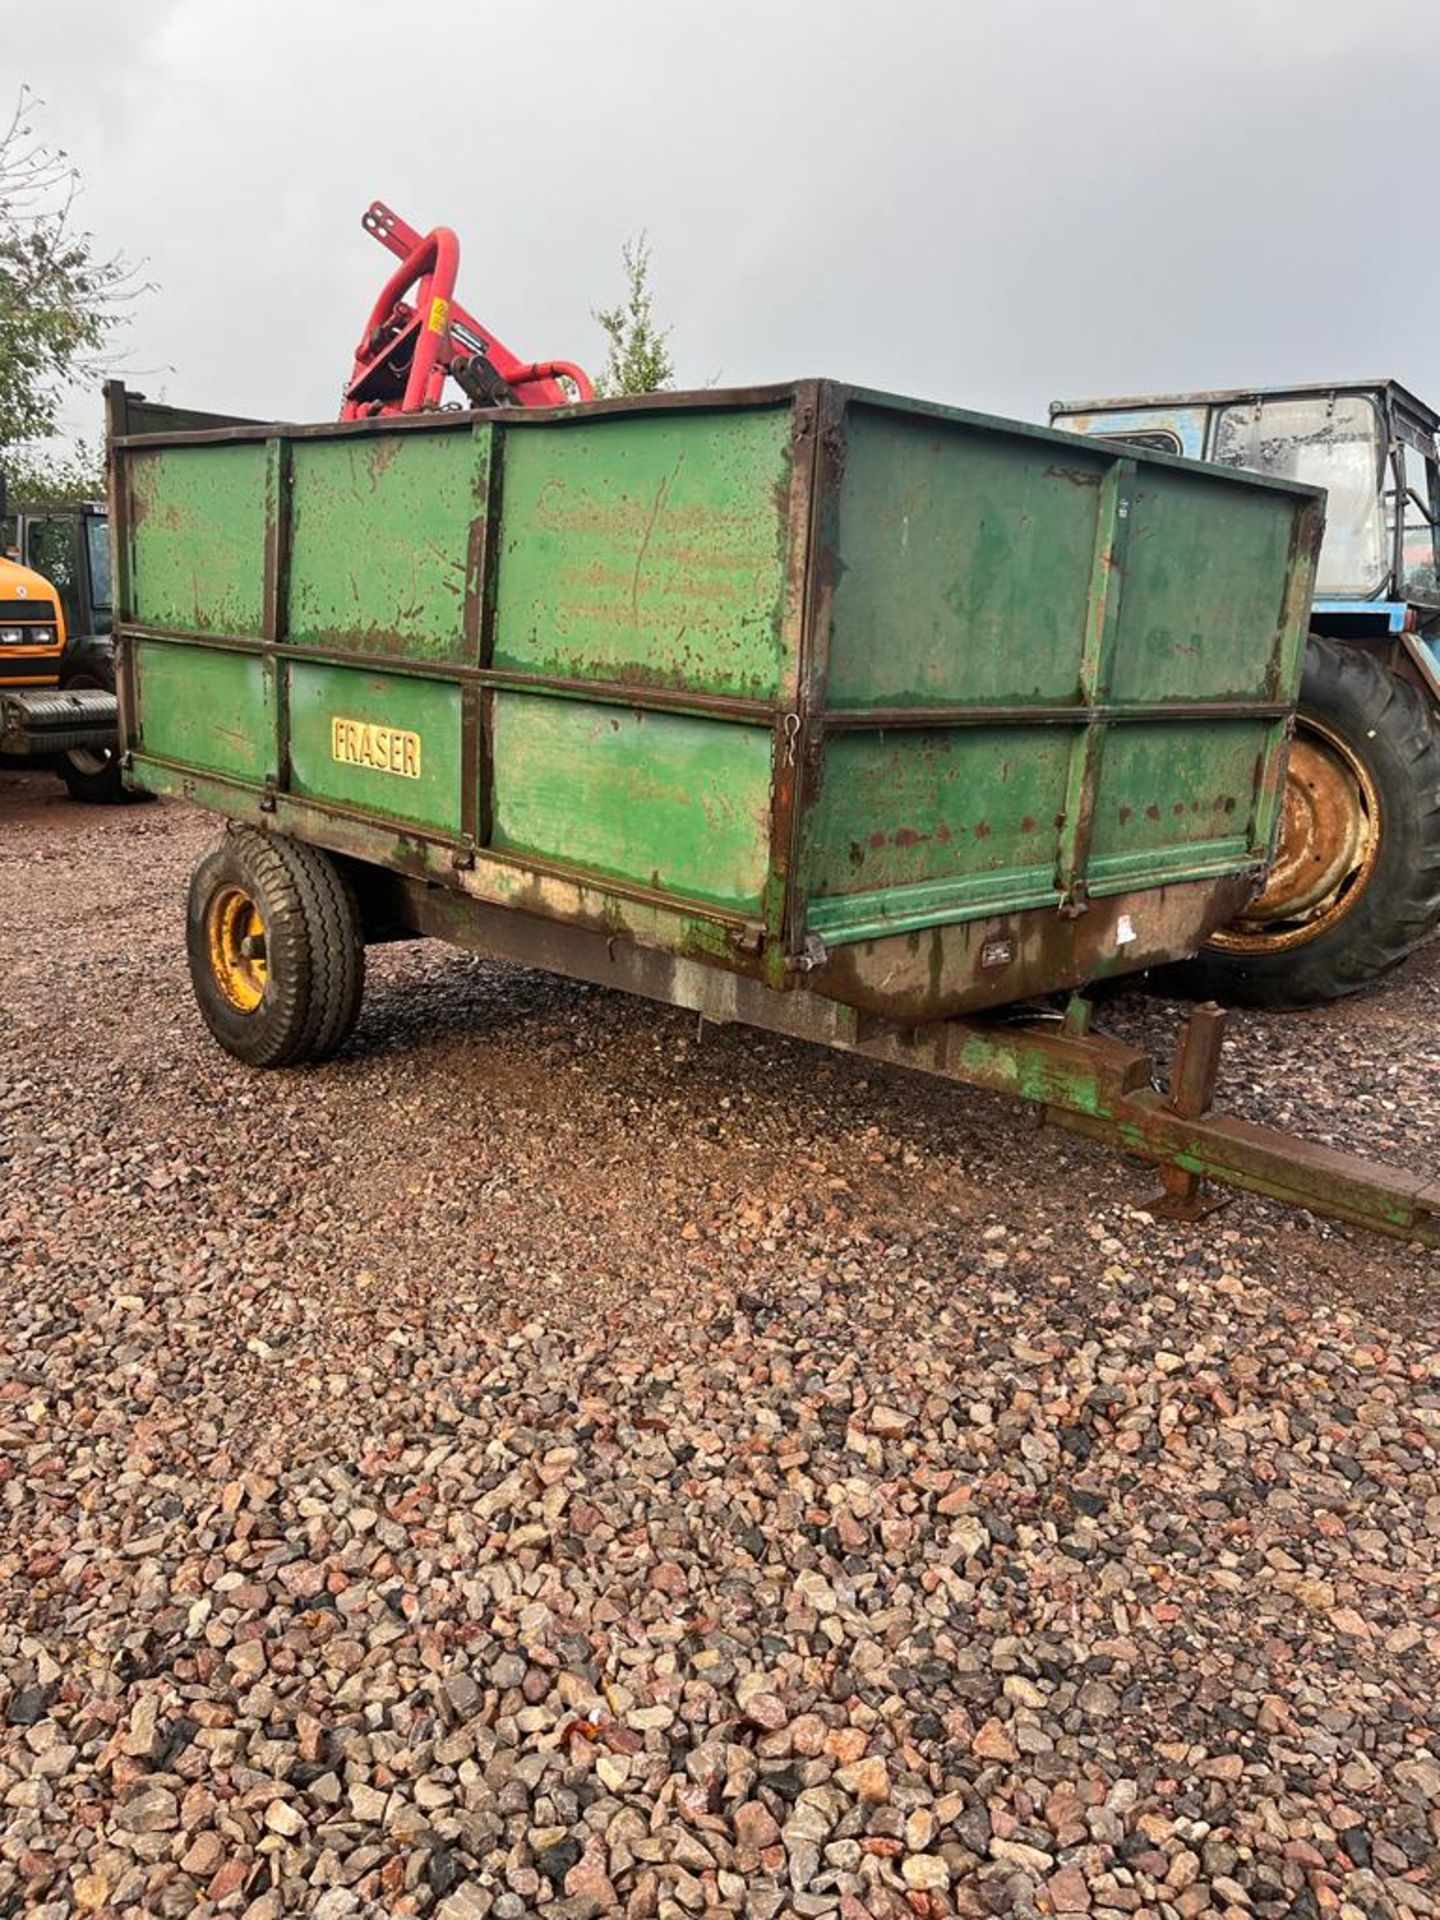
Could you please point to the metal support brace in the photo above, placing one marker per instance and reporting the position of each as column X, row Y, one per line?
column 1097, row 664
column 1184, row 1195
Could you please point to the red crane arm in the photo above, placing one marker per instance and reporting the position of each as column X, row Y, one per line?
column 409, row 346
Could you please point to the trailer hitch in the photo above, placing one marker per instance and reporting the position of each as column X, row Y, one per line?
column 1088, row 1083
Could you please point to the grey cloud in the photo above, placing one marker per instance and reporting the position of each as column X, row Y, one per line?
column 990, row 202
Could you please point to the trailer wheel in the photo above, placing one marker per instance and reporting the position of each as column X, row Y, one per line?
column 276, row 949
column 92, row 773
column 1356, row 881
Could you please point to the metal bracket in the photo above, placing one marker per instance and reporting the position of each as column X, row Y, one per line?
column 1184, row 1196
column 1076, row 902
column 812, row 955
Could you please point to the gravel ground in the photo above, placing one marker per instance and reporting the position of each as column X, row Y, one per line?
column 550, row 1461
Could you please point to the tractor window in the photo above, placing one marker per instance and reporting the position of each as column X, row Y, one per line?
column 1159, row 440
column 50, row 550
column 1420, row 547
column 97, row 541
column 1331, row 441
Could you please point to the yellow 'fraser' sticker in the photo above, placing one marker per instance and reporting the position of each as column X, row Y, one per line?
column 439, row 315
column 356, row 743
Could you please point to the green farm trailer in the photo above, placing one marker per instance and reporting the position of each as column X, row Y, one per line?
column 809, row 707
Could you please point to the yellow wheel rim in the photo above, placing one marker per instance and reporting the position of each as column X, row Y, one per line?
column 237, row 948
column 1328, row 847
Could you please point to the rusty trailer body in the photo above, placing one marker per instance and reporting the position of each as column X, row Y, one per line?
column 929, row 711
column 833, row 712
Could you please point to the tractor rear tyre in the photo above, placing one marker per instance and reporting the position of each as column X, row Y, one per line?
column 1356, row 880
column 92, row 773
column 276, row 949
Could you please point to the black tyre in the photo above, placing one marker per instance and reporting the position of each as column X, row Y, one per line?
column 1356, row 880
column 92, row 774
column 276, row 949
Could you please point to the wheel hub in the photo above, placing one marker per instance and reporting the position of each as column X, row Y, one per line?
column 91, row 761
column 236, row 933
column 1328, row 845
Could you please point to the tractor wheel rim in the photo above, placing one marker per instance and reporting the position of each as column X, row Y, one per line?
column 1328, row 847
column 91, row 761
column 236, row 932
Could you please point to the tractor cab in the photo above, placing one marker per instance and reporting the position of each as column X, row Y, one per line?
column 1371, row 445
column 69, row 545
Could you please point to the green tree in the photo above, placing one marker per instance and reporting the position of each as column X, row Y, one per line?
column 74, row 473
column 639, row 360
column 60, row 298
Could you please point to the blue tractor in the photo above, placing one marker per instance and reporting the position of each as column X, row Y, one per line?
column 1356, row 881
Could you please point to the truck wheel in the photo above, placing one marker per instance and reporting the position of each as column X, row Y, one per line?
column 92, row 773
column 1356, row 880
column 276, row 949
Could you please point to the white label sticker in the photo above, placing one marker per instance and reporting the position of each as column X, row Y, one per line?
column 1124, row 930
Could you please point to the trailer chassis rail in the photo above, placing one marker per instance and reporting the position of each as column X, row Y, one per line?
column 1081, row 1080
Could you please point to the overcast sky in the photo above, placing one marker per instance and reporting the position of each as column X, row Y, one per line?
column 988, row 202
